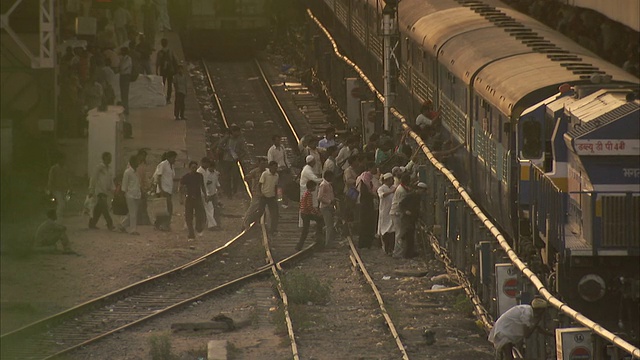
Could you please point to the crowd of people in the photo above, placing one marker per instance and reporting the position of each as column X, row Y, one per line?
column 373, row 189
column 97, row 70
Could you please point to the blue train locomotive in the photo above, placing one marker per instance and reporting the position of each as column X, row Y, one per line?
column 527, row 103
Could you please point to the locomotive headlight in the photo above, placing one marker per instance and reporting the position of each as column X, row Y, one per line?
column 591, row 287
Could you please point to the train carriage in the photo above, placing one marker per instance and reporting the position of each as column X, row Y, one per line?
column 494, row 75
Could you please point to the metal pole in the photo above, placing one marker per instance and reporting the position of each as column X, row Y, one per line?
column 388, row 28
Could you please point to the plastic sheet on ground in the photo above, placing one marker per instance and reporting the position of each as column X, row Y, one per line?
column 146, row 92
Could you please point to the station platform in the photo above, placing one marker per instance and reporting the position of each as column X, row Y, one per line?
column 153, row 129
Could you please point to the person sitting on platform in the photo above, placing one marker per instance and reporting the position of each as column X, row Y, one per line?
column 49, row 233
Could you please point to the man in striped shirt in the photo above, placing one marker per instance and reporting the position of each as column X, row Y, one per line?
column 309, row 213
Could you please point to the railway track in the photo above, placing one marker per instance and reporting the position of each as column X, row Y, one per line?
column 105, row 315
column 203, row 277
column 239, row 88
column 458, row 192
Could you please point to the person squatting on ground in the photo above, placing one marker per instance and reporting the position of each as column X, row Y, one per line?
column 385, row 220
column 268, row 194
column 166, row 66
column 306, row 175
column 401, row 192
column 231, row 149
column 366, row 194
column 191, row 190
column 163, row 177
column 309, row 213
column 327, row 201
column 253, row 179
column 180, row 82
column 58, row 185
column 49, row 233
column 101, row 187
column 278, row 154
column 211, row 184
column 516, row 325
column 132, row 192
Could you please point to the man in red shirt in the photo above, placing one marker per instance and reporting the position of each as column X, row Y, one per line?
column 308, row 212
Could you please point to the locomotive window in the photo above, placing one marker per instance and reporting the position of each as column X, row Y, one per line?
column 531, row 132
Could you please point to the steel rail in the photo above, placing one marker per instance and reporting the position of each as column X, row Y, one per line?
column 273, row 266
column 355, row 256
column 363, row 270
column 127, row 291
column 555, row 302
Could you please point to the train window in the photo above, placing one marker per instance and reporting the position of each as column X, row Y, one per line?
column 531, row 145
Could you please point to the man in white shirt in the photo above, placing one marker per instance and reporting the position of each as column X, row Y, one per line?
column 101, row 187
column 329, row 138
column 307, row 174
column 211, row 184
column 278, row 154
column 347, row 151
column 132, row 192
column 385, row 220
column 164, row 176
column 330, row 164
column 268, row 194
column 515, row 325
column 401, row 192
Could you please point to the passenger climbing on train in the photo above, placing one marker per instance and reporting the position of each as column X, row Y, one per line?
column 426, row 119
column 410, row 208
column 308, row 213
column 367, row 192
column 516, row 325
column 383, row 152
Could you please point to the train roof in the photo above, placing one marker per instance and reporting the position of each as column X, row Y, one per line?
column 410, row 11
column 513, row 84
column 473, row 38
column 600, row 108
